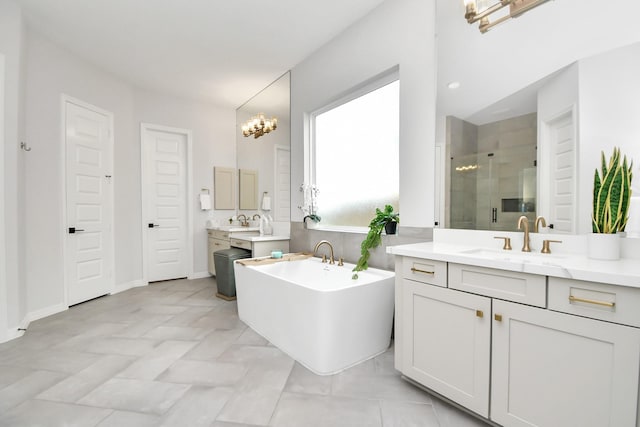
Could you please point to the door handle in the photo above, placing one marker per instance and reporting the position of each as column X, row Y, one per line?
column 152, row 225
column 73, row 230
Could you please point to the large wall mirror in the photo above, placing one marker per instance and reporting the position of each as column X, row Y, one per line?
column 264, row 162
column 537, row 99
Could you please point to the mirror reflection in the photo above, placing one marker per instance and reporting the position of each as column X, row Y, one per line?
column 521, row 123
column 263, row 155
column 492, row 172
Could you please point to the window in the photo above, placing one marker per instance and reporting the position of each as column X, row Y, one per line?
column 355, row 156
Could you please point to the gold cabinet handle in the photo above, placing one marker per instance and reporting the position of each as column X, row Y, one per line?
column 479, row 313
column 417, row 270
column 591, row 301
column 498, row 317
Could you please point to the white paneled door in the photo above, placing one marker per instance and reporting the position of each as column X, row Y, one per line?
column 165, row 196
column 88, row 133
column 563, row 185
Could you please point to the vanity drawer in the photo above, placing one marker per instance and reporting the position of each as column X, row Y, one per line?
column 425, row 271
column 617, row 304
column 219, row 234
column 507, row 285
column 217, row 244
column 244, row 244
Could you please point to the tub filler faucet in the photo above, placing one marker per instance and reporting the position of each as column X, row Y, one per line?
column 324, row 258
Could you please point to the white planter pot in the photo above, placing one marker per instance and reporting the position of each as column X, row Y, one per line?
column 310, row 224
column 604, row 246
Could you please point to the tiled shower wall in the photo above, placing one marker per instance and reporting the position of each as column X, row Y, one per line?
column 505, row 152
column 347, row 245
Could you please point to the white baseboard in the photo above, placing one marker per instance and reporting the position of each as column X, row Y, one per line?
column 44, row 312
column 200, row 275
column 13, row 333
column 121, row 287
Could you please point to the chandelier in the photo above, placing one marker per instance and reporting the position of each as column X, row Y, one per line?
column 516, row 8
column 258, row 126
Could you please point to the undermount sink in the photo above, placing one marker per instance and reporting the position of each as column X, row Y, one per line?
column 513, row 255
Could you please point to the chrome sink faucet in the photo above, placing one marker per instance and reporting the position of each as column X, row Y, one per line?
column 524, row 222
column 324, row 258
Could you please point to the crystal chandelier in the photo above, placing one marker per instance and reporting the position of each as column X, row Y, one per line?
column 258, row 126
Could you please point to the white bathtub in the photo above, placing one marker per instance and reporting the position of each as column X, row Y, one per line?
column 316, row 313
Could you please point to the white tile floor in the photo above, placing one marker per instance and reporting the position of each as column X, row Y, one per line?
column 172, row 354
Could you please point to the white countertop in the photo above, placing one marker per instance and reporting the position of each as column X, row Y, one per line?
column 252, row 237
column 234, row 228
column 625, row 271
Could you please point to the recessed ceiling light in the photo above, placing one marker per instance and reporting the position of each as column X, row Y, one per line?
column 453, row 85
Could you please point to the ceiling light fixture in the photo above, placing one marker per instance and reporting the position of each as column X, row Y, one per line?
column 258, row 126
column 516, row 8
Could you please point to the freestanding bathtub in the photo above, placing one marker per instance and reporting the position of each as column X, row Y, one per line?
column 316, row 313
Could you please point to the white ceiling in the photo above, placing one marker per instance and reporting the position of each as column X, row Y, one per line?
column 217, row 51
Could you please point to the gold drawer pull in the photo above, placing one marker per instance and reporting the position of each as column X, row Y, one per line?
column 417, row 270
column 498, row 317
column 479, row 313
column 591, row 301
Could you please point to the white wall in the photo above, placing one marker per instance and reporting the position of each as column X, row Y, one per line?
column 609, row 117
column 213, row 145
column 399, row 32
column 12, row 294
column 51, row 72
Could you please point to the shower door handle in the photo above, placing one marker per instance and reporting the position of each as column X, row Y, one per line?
column 494, row 215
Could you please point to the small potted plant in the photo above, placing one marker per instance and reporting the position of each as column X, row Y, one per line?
column 374, row 236
column 310, row 205
column 611, row 196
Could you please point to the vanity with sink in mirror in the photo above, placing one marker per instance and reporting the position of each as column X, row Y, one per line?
column 264, row 161
column 263, row 177
column 521, row 130
column 520, row 338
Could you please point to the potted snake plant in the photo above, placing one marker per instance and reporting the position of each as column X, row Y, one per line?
column 611, row 197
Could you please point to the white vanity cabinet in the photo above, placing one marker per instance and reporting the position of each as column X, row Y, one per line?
column 218, row 240
column 261, row 246
column 446, row 346
column 555, row 369
column 519, row 349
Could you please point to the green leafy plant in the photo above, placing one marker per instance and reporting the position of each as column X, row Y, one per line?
column 374, row 236
column 611, row 194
